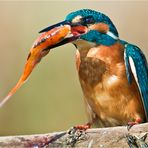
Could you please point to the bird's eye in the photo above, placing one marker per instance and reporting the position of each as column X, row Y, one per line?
column 87, row 20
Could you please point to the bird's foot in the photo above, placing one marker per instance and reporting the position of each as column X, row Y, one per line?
column 136, row 142
column 131, row 124
column 83, row 126
column 77, row 133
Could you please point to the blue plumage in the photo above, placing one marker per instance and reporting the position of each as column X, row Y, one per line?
column 98, row 17
column 98, row 38
column 133, row 53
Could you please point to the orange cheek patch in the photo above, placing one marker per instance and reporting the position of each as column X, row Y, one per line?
column 101, row 27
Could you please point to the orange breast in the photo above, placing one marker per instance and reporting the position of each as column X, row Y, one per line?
column 103, row 80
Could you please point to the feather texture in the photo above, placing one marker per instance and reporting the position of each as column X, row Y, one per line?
column 137, row 66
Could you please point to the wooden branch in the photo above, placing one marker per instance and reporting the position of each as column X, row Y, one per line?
column 100, row 137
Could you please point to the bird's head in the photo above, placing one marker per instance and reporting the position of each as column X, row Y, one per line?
column 88, row 25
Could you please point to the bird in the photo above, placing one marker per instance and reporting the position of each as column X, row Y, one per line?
column 113, row 73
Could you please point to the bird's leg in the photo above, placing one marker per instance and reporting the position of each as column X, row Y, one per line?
column 84, row 126
column 130, row 124
column 87, row 125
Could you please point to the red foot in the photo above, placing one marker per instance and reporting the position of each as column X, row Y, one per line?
column 130, row 124
column 83, row 127
column 137, row 121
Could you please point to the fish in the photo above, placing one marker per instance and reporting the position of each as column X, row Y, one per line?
column 40, row 48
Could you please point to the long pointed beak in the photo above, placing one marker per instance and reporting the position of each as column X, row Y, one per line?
column 55, row 25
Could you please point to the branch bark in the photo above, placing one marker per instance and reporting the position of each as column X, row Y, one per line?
column 100, row 137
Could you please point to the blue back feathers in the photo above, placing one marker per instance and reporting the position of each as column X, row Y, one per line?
column 141, row 71
column 98, row 17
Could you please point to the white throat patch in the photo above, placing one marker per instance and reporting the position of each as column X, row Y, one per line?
column 112, row 35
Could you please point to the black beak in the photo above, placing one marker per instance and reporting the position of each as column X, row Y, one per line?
column 55, row 25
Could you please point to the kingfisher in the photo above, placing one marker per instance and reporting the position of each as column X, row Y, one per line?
column 113, row 73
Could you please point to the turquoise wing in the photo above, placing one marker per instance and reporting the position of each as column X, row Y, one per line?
column 136, row 65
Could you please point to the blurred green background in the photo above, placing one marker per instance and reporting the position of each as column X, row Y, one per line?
column 52, row 100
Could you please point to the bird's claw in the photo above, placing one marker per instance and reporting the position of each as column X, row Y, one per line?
column 129, row 126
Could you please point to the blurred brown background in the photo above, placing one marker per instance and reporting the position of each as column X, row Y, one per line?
column 51, row 100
